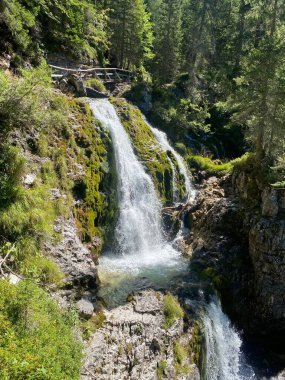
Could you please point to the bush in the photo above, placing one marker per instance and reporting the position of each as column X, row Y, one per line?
column 11, row 169
column 172, row 310
column 96, row 84
column 36, row 337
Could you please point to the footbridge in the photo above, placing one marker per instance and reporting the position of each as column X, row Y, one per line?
column 105, row 74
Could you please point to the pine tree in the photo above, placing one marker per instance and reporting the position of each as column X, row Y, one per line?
column 168, row 35
column 261, row 92
column 131, row 30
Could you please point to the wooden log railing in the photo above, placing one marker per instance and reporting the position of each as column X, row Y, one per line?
column 105, row 74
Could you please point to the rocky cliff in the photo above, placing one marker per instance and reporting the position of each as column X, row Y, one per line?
column 237, row 241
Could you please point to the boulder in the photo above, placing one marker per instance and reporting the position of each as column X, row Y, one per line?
column 85, row 308
column 72, row 83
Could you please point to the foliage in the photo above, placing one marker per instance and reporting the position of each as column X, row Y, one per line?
column 172, row 310
column 21, row 99
column 11, row 169
column 131, row 33
column 168, row 35
column 31, row 324
column 74, row 27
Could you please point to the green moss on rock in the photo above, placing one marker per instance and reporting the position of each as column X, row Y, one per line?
column 147, row 148
column 81, row 157
column 196, row 344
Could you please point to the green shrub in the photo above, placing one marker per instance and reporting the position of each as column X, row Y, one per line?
column 36, row 337
column 96, row 84
column 41, row 269
column 11, row 169
column 172, row 310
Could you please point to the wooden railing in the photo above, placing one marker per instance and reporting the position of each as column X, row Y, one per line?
column 105, row 74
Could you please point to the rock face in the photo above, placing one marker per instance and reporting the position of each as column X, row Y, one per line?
column 238, row 240
column 133, row 345
column 76, row 263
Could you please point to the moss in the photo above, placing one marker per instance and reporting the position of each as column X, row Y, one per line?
column 172, row 310
column 210, row 167
column 215, row 167
column 82, row 147
column 212, row 274
column 96, row 84
column 196, row 344
column 180, row 356
column 161, row 367
column 94, row 323
column 95, row 216
column 147, row 148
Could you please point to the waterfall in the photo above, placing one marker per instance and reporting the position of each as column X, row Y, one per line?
column 138, row 236
column 164, row 143
column 224, row 359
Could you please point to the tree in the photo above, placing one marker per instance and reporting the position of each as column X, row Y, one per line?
column 167, row 16
column 131, row 33
column 260, row 91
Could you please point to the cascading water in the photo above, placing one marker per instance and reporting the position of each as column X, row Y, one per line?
column 164, row 143
column 138, row 228
column 224, row 359
column 139, row 243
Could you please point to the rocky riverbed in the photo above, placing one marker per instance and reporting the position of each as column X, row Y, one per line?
column 134, row 343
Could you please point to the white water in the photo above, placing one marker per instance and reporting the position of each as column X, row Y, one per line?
column 224, row 359
column 164, row 143
column 138, row 236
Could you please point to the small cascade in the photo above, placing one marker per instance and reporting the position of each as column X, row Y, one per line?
column 224, row 359
column 164, row 143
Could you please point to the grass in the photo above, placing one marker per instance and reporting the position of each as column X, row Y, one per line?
column 161, row 367
column 180, row 355
column 172, row 310
column 214, row 168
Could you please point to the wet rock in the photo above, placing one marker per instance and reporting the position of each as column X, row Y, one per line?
column 132, row 343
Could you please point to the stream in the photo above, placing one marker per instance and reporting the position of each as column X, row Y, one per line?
column 142, row 258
